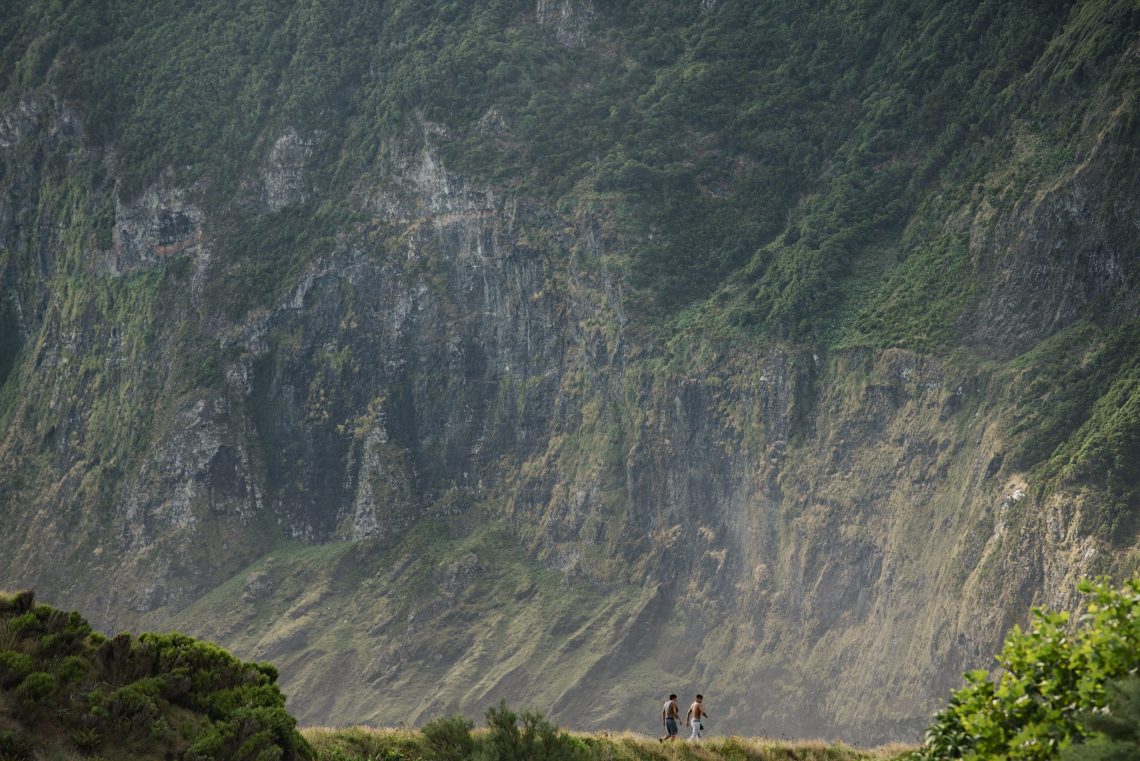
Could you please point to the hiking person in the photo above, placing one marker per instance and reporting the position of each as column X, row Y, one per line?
column 695, row 715
column 670, row 713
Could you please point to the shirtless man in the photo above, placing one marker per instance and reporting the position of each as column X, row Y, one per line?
column 670, row 712
column 694, row 716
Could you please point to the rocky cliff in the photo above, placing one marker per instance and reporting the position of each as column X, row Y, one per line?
column 503, row 354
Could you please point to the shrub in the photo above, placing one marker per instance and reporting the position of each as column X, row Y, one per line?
column 251, row 734
column 269, row 671
column 72, row 668
column 37, row 688
column 1051, row 677
column 66, row 633
column 21, row 602
column 130, row 709
column 13, row 668
column 25, row 622
column 13, row 746
column 449, row 739
column 58, row 643
column 9, row 637
column 1117, row 728
column 537, row 738
column 160, row 730
column 503, row 742
column 163, row 690
column 86, row 739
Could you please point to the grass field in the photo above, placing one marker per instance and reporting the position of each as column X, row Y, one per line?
column 367, row 744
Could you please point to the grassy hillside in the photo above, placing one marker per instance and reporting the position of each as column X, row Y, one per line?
column 363, row 744
column 447, row 621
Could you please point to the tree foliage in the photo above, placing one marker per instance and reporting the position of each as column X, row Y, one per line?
column 510, row 736
column 1116, row 727
column 1051, row 676
column 156, row 694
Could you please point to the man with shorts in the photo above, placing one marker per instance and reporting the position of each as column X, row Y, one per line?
column 670, row 712
column 694, row 716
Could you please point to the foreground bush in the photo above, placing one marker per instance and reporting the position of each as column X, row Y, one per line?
column 70, row 690
column 1053, row 681
column 536, row 738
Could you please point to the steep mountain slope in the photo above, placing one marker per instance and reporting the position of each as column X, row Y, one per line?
column 573, row 352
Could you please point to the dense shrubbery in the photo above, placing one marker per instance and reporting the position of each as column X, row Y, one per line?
column 1054, row 685
column 510, row 736
column 506, row 740
column 159, row 694
column 449, row 739
column 1116, row 727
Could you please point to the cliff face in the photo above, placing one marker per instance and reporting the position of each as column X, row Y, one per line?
column 423, row 436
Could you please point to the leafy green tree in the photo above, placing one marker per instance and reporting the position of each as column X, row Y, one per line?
column 1117, row 727
column 1051, row 676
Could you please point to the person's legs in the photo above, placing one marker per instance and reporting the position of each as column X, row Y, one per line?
column 696, row 735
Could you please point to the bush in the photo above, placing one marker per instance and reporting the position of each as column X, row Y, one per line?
column 1051, row 678
column 72, row 668
column 13, row 668
column 536, row 739
column 13, row 746
column 37, row 688
column 164, row 690
column 251, row 734
column 1117, row 728
column 86, row 739
column 449, row 739
column 132, row 708
column 21, row 602
column 25, row 622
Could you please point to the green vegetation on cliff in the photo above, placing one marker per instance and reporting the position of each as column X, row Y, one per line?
column 763, row 152
column 772, row 172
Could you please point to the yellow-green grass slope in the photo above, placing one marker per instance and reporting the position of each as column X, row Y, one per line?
column 367, row 744
column 345, row 622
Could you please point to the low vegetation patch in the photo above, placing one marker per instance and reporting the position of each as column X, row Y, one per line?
column 514, row 736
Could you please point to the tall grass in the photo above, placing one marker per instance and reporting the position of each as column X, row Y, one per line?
column 367, row 744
